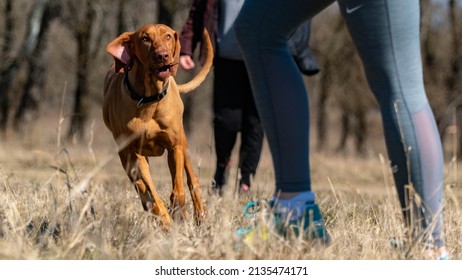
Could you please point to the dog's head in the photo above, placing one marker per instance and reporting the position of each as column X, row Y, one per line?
column 155, row 46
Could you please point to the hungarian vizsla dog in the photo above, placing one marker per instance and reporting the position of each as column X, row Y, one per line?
column 142, row 107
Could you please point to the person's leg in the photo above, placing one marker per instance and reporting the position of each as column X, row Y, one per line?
column 262, row 29
column 227, row 116
column 251, row 132
column 386, row 34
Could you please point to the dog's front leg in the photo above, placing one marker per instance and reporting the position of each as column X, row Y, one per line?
column 137, row 168
column 177, row 199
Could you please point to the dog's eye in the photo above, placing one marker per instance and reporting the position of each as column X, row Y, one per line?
column 146, row 38
column 168, row 36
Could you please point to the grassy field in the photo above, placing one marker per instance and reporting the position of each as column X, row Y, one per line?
column 74, row 201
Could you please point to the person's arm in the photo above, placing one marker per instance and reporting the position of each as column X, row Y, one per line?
column 191, row 34
column 300, row 49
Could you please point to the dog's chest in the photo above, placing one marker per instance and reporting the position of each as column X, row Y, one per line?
column 154, row 134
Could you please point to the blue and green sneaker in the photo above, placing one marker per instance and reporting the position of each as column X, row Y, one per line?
column 309, row 225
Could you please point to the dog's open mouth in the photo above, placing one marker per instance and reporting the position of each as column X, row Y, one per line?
column 163, row 71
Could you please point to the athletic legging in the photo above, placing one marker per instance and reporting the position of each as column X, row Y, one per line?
column 386, row 34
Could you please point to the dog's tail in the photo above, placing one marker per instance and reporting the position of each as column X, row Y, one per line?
column 200, row 77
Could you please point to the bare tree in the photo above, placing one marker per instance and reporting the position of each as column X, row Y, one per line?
column 36, row 63
column 327, row 50
column 9, row 65
column 121, row 25
column 453, row 83
column 84, row 20
column 166, row 11
column 442, row 60
column 343, row 86
column 31, row 43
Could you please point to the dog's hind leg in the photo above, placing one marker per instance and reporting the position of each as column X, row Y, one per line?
column 137, row 168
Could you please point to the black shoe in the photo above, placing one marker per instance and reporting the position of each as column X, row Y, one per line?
column 221, row 174
column 215, row 189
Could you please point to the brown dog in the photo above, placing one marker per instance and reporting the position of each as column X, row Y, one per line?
column 142, row 105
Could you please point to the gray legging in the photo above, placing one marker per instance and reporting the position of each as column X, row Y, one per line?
column 386, row 34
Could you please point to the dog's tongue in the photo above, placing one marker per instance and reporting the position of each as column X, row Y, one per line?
column 163, row 74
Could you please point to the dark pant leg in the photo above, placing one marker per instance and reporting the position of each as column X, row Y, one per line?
column 235, row 111
column 227, row 111
column 251, row 132
column 262, row 29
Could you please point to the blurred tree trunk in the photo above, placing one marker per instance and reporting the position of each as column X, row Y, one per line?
column 327, row 80
column 121, row 26
column 453, row 83
column 428, row 44
column 9, row 65
column 83, row 32
column 28, row 45
column 166, row 11
column 321, row 117
column 455, row 62
column 80, row 17
column 344, row 86
column 34, row 86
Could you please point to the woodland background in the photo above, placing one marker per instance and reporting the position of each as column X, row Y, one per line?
column 50, row 46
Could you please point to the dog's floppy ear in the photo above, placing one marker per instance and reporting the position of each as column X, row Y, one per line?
column 176, row 53
column 120, row 49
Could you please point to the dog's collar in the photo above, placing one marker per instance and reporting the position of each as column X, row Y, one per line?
column 141, row 99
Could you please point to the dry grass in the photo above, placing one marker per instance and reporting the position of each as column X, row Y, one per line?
column 63, row 201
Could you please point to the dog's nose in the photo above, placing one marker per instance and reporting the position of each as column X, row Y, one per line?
column 162, row 55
